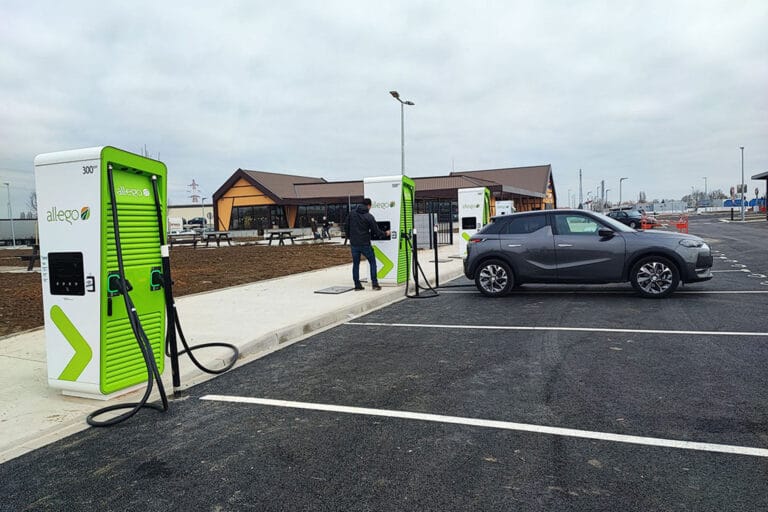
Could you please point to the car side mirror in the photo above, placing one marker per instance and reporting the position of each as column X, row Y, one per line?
column 605, row 233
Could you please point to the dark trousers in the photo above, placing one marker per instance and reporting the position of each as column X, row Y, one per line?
column 367, row 251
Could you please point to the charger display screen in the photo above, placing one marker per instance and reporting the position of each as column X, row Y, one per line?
column 66, row 273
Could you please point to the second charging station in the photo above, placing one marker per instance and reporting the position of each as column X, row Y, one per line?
column 474, row 213
column 392, row 206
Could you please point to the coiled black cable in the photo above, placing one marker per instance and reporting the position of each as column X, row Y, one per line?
column 408, row 245
column 173, row 323
column 153, row 374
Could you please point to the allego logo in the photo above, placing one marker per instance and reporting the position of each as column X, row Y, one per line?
column 133, row 192
column 68, row 216
column 382, row 206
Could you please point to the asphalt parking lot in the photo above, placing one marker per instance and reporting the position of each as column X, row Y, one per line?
column 553, row 398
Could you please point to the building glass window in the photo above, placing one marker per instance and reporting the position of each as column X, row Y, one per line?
column 257, row 218
column 447, row 210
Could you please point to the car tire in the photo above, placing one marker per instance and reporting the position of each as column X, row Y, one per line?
column 633, row 224
column 655, row 277
column 494, row 278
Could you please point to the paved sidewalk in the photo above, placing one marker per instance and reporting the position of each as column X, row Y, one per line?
column 259, row 318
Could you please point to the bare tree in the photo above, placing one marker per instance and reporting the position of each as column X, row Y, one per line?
column 32, row 204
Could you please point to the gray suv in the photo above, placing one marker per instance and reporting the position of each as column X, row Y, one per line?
column 581, row 247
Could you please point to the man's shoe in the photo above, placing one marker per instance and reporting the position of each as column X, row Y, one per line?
column 376, row 286
column 359, row 287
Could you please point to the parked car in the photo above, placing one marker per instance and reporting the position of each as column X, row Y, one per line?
column 200, row 221
column 582, row 247
column 631, row 218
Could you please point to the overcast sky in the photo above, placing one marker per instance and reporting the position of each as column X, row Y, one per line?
column 662, row 93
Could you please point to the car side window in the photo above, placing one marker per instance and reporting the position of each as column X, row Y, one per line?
column 575, row 224
column 525, row 224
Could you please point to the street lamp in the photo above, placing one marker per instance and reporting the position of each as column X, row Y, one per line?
column 743, row 186
column 597, row 194
column 396, row 95
column 203, row 206
column 620, row 180
column 606, row 198
column 10, row 212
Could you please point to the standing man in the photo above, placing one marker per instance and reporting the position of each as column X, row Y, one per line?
column 361, row 228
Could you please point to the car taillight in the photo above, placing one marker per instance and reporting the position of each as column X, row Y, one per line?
column 475, row 240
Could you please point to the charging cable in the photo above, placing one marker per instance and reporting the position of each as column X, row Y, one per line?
column 173, row 322
column 153, row 374
column 417, row 266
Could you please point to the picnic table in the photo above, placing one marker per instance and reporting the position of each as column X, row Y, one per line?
column 217, row 236
column 32, row 258
column 281, row 235
column 184, row 239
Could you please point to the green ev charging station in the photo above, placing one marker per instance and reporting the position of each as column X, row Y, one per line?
column 90, row 335
column 392, row 205
column 505, row 207
column 474, row 213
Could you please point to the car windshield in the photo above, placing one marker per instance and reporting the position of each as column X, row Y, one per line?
column 614, row 224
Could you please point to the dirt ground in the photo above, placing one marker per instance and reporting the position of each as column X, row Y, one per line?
column 193, row 270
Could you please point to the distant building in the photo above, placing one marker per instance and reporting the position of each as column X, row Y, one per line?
column 259, row 200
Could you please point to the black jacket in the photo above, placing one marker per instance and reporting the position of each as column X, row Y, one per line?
column 362, row 227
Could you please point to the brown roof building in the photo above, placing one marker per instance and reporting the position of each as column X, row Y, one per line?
column 258, row 200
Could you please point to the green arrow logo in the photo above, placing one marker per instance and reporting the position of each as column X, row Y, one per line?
column 386, row 263
column 83, row 353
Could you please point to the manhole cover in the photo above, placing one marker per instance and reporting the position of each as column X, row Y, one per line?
column 335, row 290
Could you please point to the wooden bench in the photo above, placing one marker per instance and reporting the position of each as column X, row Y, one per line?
column 185, row 239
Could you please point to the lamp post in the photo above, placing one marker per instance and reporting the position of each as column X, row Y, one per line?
column 203, row 201
column 10, row 212
column 605, row 204
column 620, row 180
column 396, row 95
column 597, row 194
column 743, row 186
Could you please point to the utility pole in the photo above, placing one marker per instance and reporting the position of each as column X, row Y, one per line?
column 581, row 195
column 743, row 186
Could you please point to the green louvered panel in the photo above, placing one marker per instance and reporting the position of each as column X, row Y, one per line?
column 122, row 362
column 406, row 225
column 139, row 236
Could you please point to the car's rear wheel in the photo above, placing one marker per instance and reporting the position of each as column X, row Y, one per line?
column 655, row 277
column 633, row 224
column 494, row 278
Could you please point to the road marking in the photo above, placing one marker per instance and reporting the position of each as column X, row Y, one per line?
column 721, row 271
column 567, row 329
column 502, row 425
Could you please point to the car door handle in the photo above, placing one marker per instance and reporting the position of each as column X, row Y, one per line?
column 565, row 245
column 514, row 245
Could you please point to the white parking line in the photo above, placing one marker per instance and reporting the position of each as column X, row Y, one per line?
column 503, row 425
column 721, row 271
column 567, row 329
